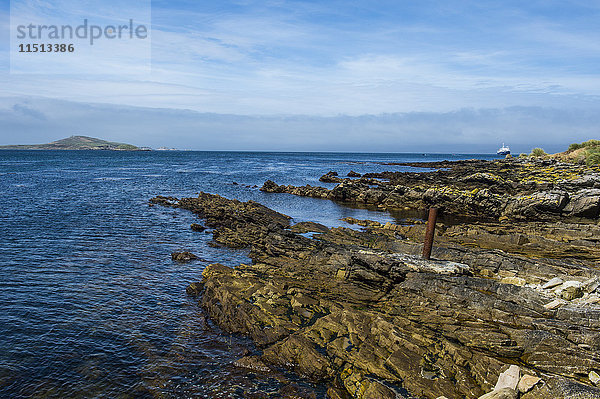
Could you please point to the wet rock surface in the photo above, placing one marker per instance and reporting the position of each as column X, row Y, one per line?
column 360, row 311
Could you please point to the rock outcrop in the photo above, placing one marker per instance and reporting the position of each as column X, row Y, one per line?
column 505, row 189
column 358, row 309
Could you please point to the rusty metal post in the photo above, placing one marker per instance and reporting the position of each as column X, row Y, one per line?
column 429, row 233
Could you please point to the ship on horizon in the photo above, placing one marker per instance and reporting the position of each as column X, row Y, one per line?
column 504, row 150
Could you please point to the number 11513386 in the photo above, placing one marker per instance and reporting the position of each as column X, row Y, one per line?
column 46, row 48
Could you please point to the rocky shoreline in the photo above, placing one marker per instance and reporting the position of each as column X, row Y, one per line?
column 510, row 305
column 501, row 190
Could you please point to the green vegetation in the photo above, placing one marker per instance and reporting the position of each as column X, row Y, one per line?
column 585, row 144
column 593, row 159
column 538, row 152
column 587, row 152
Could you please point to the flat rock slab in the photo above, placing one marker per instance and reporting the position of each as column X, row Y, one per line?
column 419, row 264
column 555, row 304
column 555, row 282
column 527, row 383
column 514, row 281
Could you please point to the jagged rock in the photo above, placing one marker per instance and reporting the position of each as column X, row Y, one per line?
column 527, row 383
column 504, row 393
column 270, row 186
column 585, row 203
column 353, row 174
column 194, row 289
column 509, row 378
column 539, row 202
column 331, row 177
column 570, row 290
column 183, row 256
column 591, row 285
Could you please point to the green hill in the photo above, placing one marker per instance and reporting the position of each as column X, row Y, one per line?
column 76, row 143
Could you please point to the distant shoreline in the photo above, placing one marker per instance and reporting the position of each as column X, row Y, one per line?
column 6, row 148
column 76, row 143
column 141, row 149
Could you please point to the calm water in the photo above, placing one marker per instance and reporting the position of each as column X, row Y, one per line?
column 91, row 304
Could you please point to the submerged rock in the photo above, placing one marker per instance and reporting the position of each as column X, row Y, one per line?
column 197, row 227
column 183, row 256
column 253, row 363
column 331, row 177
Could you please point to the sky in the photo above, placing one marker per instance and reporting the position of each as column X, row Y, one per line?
column 384, row 76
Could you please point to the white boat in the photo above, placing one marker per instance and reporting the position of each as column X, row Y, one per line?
column 504, row 150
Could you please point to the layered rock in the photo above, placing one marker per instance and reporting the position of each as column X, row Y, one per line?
column 355, row 309
column 577, row 241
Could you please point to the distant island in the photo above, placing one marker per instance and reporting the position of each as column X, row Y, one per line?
column 76, row 143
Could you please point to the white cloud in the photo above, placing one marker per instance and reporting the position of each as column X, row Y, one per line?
column 317, row 59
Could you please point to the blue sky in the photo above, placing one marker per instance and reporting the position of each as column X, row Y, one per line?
column 468, row 74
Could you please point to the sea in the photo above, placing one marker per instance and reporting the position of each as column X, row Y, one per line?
column 91, row 304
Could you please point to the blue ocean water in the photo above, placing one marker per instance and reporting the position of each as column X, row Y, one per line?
column 91, row 304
